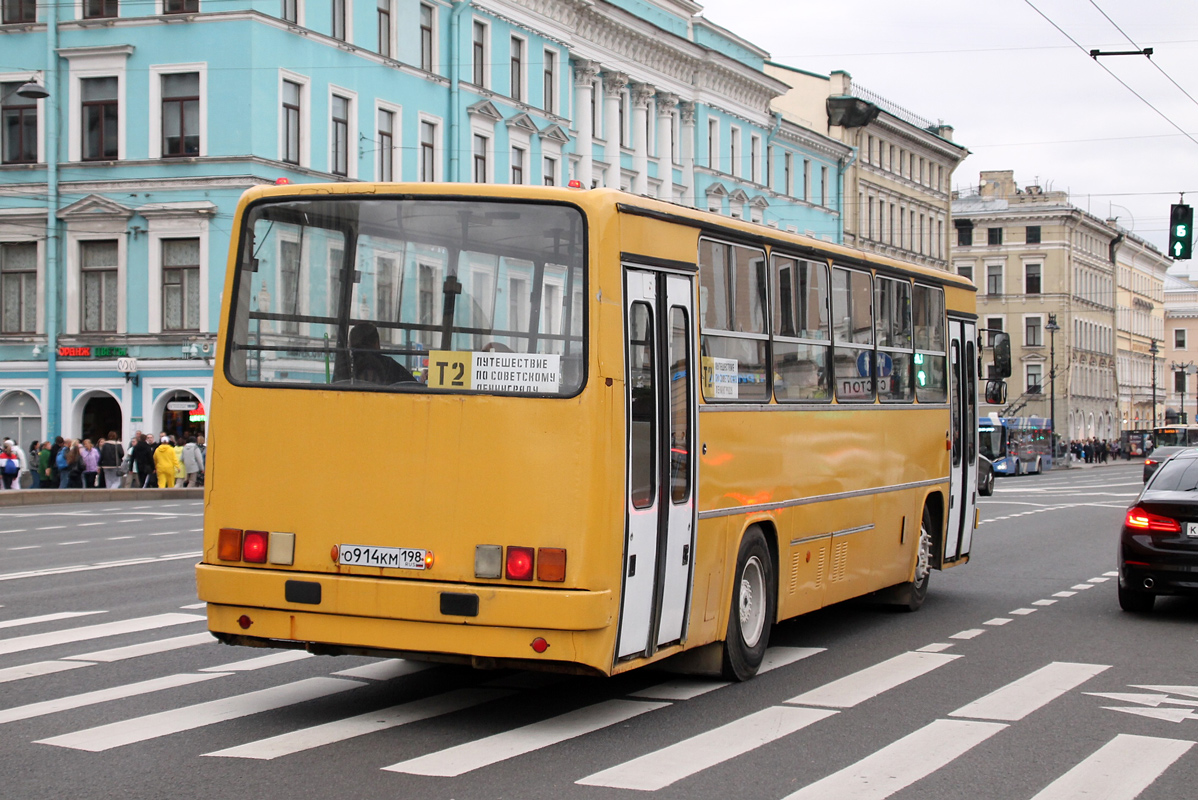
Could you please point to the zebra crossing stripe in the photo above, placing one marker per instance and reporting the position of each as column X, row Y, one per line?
column 145, row 648
column 34, row 641
column 902, row 763
column 261, row 662
column 37, row 669
column 1019, row 698
column 14, row 623
column 100, row 696
column 781, row 656
column 671, row 764
column 152, row 726
column 1119, row 770
column 371, row 722
column 386, row 670
column 860, row 686
column 480, row 753
column 681, row 689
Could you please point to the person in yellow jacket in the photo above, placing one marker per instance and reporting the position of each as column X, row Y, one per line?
column 165, row 463
column 180, row 474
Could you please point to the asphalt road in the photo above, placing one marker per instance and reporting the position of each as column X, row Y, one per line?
column 1020, row 678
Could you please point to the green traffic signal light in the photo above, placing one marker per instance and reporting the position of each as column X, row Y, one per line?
column 1181, row 231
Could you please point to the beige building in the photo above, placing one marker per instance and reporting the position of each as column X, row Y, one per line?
column 1179, row 350
column 1139, row 322
column 1035, row 257
column 898, row 188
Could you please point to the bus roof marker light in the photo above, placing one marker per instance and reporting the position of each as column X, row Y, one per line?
column 488, row 561
column 539, row 645
column 575, row 184
column 519, row 563
column 228, row 544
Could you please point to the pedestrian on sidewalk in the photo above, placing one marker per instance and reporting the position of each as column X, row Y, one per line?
column 22, row 461
column 112, row 456
column 192, row 464
column 166, row 463
column 91, row 464
column 143, row 459
column 35, row 470
column 10, row 465
column 44, row 459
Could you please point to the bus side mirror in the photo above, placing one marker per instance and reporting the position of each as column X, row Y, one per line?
column 1002, row 356
column 996, row 392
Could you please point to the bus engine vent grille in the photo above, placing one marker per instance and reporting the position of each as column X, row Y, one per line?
column 840, row 562
column 794, row 572
column 819, row 568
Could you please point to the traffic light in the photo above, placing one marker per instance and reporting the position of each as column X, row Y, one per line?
column 1181, row 231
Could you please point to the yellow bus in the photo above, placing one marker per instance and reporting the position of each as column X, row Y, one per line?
column 571, row 430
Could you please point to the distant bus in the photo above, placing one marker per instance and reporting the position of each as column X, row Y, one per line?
column 1016, row 445
column 572, row 430
column 1175, row 436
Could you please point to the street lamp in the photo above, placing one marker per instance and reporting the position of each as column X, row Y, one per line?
column 1153, row 350
column 1052, row 327
column 1185, row 370
column 31, row 90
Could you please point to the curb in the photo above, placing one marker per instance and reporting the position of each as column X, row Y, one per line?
column 45, row 497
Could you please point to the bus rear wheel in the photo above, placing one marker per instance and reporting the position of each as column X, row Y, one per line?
column 752, row 614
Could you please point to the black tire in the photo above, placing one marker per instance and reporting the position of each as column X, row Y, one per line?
column 1134, row 601
column 910, row 595
column 749, row 619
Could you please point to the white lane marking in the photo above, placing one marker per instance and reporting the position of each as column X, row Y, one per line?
column 902, row 763
column 261, row 662
column 51, row 528
column 1081, row 587
column 19, row 644
column 1111, row 574
column 1022, row 612
column 1036, row 689
column 671, row 764
column 1063, row 594
column 89, row 524
column 480, row 753
column 15, row 623
column 972, row 633
column 781, row 656
column 360, row 725
column 1153, row 700
column 1119, row 770
column 1166, row 714
column 165, row 723
column 166, row 533
column 386, row 670
column 1185, row 691
column 37, row 573
column 194, row 606
column 681, row 689
column 15, row 530
column 27, row 547
column 118, row 538
column 145, row 648
column 100, row 696
column 37, row 669
column 934, row 647
column 1099, row 580
column 1043, row 602
column 997, row 621
column 853, row 689
column 196, row 530
column 80, row 541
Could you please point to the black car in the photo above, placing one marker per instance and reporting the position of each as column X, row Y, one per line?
column 1158, row 546
column 1158, row 457
column 985, row 476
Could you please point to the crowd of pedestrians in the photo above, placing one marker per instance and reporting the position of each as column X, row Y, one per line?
column 1098, row 451
column 147, row 463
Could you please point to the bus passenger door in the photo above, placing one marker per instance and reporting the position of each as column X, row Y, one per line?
column 963, row 377
column 660, row 403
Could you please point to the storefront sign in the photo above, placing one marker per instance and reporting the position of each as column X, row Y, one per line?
column 92, row 352
column 181, row 405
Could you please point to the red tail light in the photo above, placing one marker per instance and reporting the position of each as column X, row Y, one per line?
column 1143, row 520
column 253, row 547
column 519, row 563
column 1148, row 462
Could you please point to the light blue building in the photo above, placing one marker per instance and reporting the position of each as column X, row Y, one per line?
column 117, row 190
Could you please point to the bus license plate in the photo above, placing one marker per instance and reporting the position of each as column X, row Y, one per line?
column 360, row 555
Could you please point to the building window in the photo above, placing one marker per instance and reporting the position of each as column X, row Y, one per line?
column 964, row 234
column 426, row 37
column 1179, row 338
column 994, row 236
column 99, row 9
column 1035, row 378
column 550, row 83
column 339, row 154
column 291, row 11
column 181, row 284
column 755, row 159
column 993, row 325
column 339, row 19
column 181, row 114
column 180, row 6
column 428, row 139
column 1031, row 279
column 1033, row 234
column 98, row 262
column 517, row 70
column 734, row 165
column 1033, row 333
column 99, row 118
column 18, row 11
column 480, row 54
column 713, row 144
column 825, row 190
column 518, row 165
column 965, row 271
column 788, row 165
column 292, row 94
column 19, row 121
column 385, row 28
column 550, row 171
column 994, row 279
column 386, row 145
column 806, row 180
column 480, row 158
column 18, row 288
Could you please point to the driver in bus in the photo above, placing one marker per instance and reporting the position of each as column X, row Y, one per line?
column 370, row 365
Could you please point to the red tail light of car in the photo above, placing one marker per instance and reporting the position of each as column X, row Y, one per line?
column 1143, row 520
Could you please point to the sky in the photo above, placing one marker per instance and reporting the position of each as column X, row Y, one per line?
column 1019, row 94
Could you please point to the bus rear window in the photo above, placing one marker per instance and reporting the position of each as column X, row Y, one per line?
column 410, row 295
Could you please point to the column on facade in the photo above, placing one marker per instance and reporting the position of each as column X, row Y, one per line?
column 666, row 103
column 613, row 96
column 686, row 152
column 642, row 93
column 584, row 87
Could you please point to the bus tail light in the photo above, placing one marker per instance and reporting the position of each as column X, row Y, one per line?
column 488, row 561
column 1146, row 521
column 551, row 564
column 282, row 548
column 254, row 547
column 519, row 563
column 228, row 544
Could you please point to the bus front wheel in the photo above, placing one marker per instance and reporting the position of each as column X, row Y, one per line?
column 911, row 595
column 752, row 614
